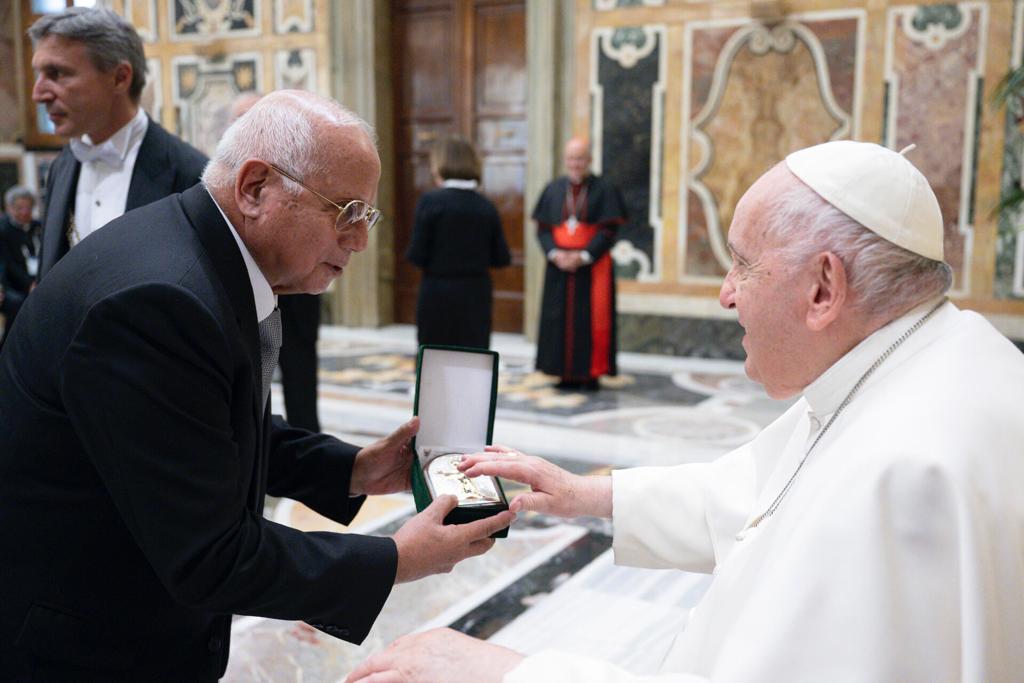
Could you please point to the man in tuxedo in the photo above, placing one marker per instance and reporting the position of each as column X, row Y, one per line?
column 91, row 71
column 138, row 444
column 20, row 236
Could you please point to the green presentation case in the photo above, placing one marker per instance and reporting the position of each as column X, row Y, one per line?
column 456, row 394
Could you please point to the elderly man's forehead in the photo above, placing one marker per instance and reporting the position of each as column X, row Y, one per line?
column 346, row 138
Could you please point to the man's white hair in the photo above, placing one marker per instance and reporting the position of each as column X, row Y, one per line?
column 281, row 129
column 885, row 280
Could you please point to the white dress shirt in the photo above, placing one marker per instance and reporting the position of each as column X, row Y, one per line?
column 106, row 174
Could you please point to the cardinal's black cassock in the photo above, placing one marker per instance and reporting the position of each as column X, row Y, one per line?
column 577, row 324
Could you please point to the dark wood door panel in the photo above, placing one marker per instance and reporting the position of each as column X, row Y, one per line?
column 460, row 67
column 500, row 58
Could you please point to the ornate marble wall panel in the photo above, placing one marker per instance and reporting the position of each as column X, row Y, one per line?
column 203, row 90
column 940, row 49
column 293, row 16
column 143, row 15
column 752, row 94
column 10, row 104
column 1009, row 270
column 202, row 19
column 295, row 69
column 618, row 4
column 628, row 93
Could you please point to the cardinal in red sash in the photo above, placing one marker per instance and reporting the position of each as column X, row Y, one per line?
column 578, row 216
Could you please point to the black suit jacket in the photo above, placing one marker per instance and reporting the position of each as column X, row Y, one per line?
column 165, row 165
column 134, row 459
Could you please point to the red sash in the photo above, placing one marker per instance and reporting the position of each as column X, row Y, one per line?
column 600, row 296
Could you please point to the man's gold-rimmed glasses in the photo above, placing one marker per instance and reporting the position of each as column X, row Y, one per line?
column 350, row 213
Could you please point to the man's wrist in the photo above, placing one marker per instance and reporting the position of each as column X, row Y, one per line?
column 356, row 485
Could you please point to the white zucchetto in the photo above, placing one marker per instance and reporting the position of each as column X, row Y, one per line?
column 878, row 188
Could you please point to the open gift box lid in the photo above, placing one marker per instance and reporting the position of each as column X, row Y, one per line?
column 456, row 396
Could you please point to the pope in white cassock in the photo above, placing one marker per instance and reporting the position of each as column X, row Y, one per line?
column 875, row 531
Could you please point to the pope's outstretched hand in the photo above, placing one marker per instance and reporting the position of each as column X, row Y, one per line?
column 553, row 490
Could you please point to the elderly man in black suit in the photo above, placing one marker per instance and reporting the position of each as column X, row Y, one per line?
column 138, row 444
column 91, row 71
column 300, row 329
column 20, row 236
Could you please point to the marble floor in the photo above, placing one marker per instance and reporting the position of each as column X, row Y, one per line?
column 552, row 582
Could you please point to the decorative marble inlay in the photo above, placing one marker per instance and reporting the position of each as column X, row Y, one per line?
column 603, row 5
column 935, row 25
column 520, row 388
column 751, row 95
column 630, row 262
column 697, row 426
column 678, row 336
column 1009, row 270
column 627, row 84
column 199, row 19
column 293, row 16
column 203, row 90
column 295, row 69
column 142, row 14
column 938, row 50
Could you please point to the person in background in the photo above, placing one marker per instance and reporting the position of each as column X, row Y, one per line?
column 456, row 238
column 578, row 216
column 20, row 241
column 875, row 531
column 300, row 328
column 91, row 70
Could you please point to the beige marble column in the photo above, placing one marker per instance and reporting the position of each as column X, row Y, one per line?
column 360, row 63
column 550, row 53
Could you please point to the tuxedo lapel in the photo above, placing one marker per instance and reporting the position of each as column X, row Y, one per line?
column 153, row 175
column 60, row 197
column 223, row 251
column 216, row 237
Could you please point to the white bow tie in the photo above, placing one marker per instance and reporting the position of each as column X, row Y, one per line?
column 105, row 152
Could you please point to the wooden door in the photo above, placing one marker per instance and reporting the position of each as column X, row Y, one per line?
column 460, row 68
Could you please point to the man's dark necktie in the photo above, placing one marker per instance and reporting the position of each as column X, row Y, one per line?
column 270, row 344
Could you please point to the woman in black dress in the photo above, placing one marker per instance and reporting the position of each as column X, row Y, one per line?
column 456, row 237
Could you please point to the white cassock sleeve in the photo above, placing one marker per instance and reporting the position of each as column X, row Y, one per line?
column 874, row 601
column 683, row 517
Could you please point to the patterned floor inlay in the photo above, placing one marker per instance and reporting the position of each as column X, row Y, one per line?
column 519, row 387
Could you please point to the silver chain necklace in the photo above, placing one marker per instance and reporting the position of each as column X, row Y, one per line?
column 846, row 401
